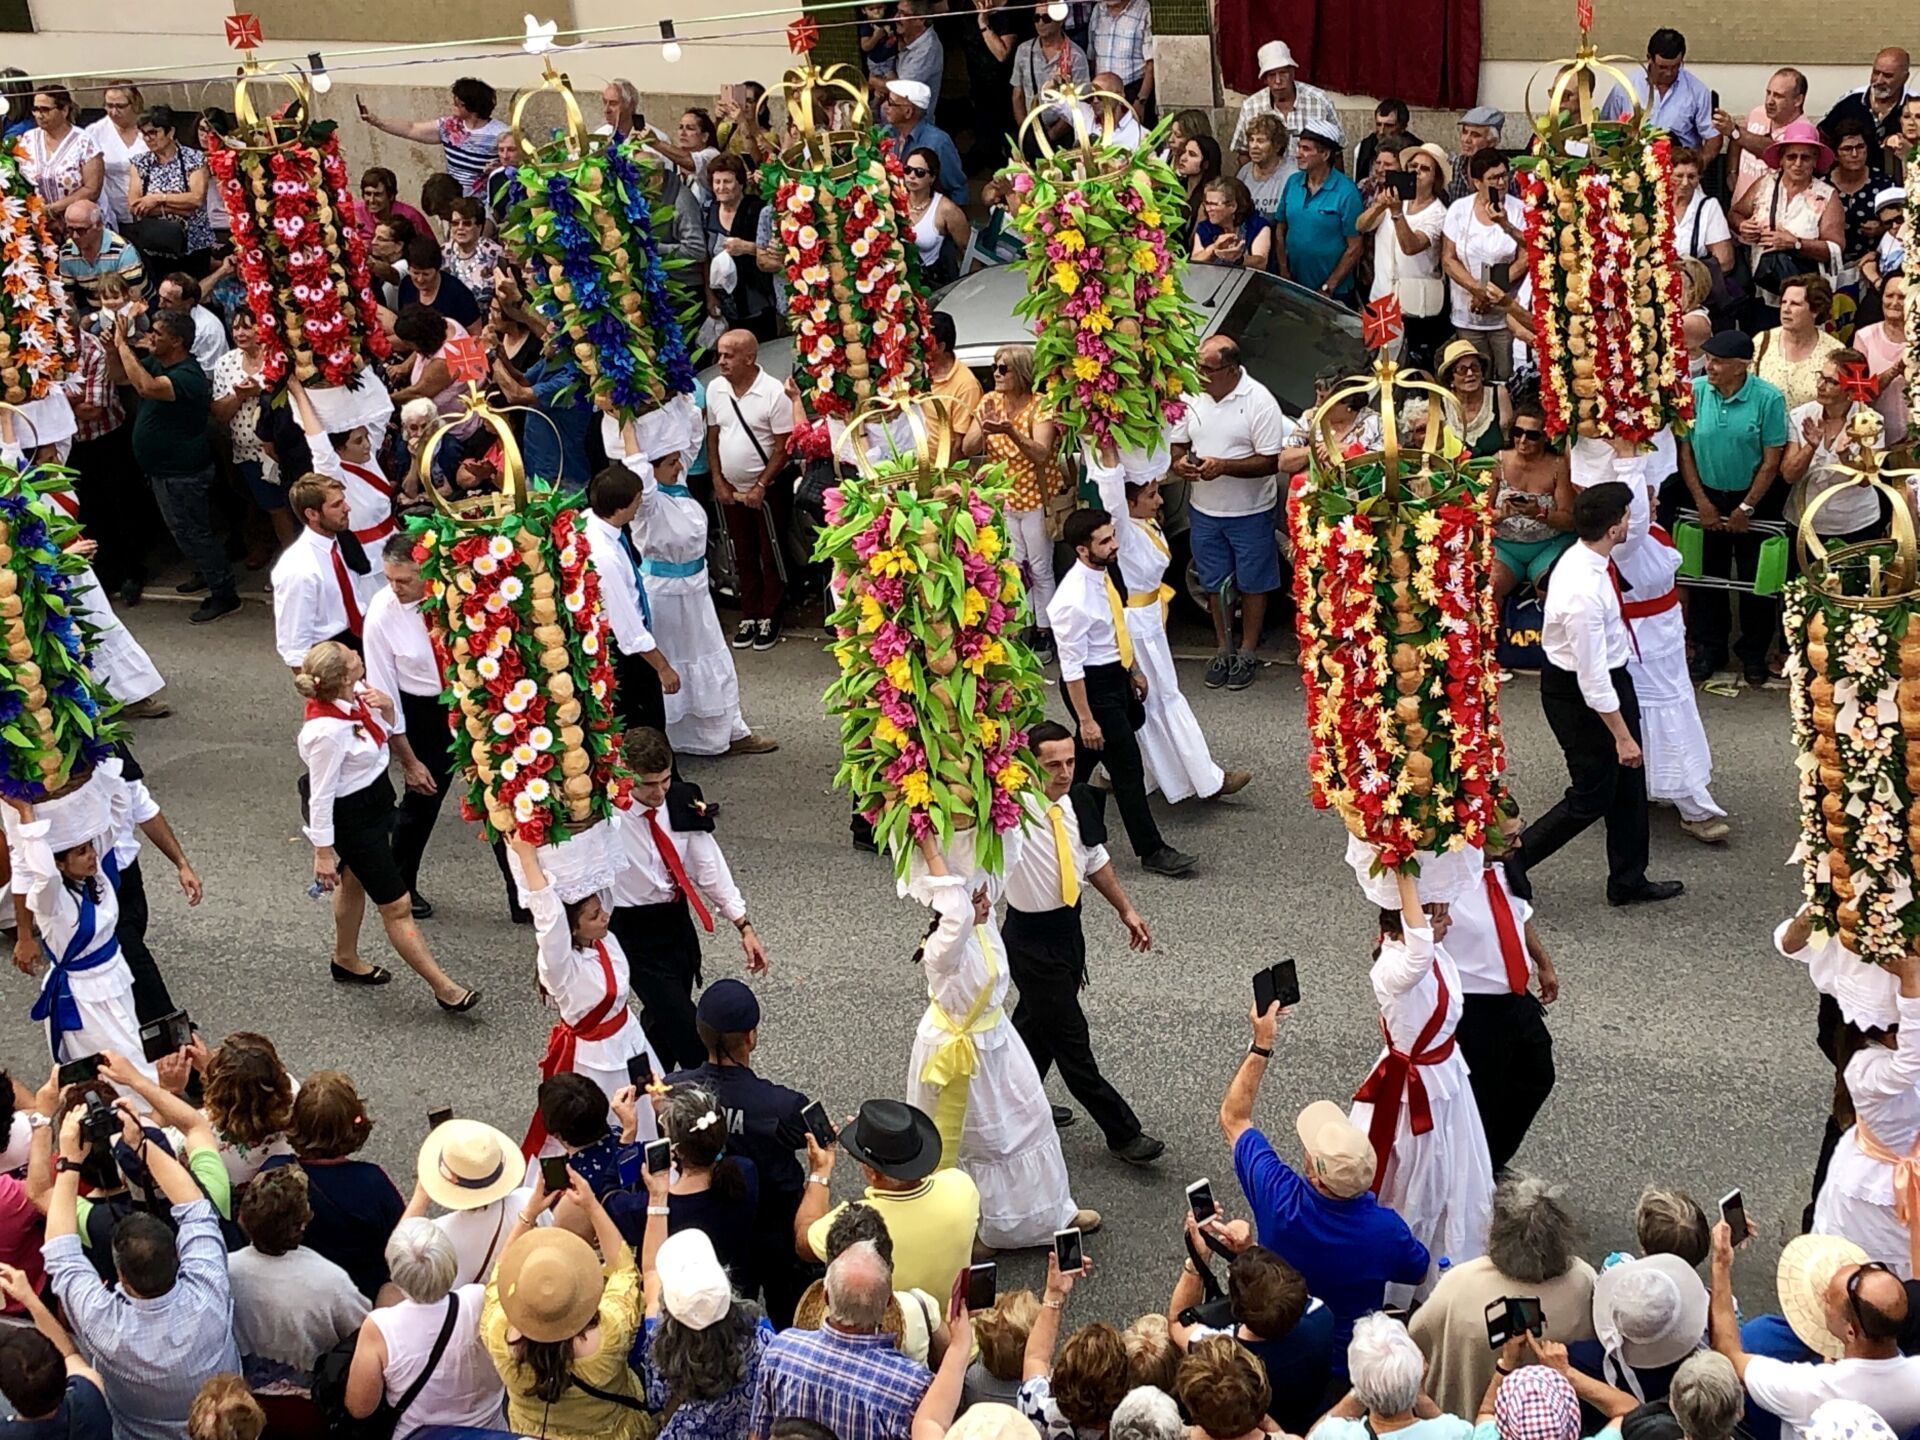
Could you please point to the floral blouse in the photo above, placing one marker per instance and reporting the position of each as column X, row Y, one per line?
column 475, row 271
column 55, row 169
column 169, row 177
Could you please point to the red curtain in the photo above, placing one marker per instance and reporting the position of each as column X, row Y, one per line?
column 1426, row 52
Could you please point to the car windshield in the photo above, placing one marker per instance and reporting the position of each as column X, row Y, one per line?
column 1286, row 335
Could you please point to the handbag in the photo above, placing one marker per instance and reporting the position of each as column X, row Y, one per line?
column 1777, row 267
column 157, row 237
column 1724, row 293
column 1216, row 1310
column 330, row 1385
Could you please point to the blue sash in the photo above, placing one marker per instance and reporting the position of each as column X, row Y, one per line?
column 673, row 569
column 56, row 1004
column 678, row 492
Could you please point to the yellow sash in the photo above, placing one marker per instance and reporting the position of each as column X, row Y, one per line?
column 1163, row 596
column 953, row 1065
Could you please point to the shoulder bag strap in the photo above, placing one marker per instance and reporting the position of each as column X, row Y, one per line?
column 486, row 1265
column 1699, row 214
column 624, row 1401
column 433, row 1358
column 758, row 448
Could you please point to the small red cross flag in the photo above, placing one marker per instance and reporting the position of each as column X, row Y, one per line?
column 243, row 32
column 1382, row 322
column 1858, row 381
column 1583, row 12
column 802, row 35
column 466, row 359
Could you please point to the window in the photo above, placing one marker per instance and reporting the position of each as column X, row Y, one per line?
column 16, row 17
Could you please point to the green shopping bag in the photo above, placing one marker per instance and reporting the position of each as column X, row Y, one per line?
column 1691, row 541
column 1770, row 570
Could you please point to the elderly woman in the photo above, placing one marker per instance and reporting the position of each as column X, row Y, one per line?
column 1269, row 162
column 1789, row 212
column 467, row 134
column 733, row 228
column 1648, row 1316
column 62, row 160
column 1386, row 1367
column 1532, row 1249
column 249, row 1102
column 239, row 382
column 1790, row 355
column 698, row 1355
column 470, row 257
column 169, row 183
column 1535, row 1395
column 1232, row 232
column 1147, row 1412
column 1706, row 1397
column 1477, row 413
column 1857, row 179
column 558, row 1322
column 1699, row 223
column 1077, row 1391
column 1824, row 434
column 1884, row 344
column 359, row 1205
column 117, row 133
column 1012, row 427
column 1225, row 1389
column 390, row 1362
column 290, row 1304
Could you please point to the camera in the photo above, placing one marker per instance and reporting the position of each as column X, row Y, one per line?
column 99, row 1123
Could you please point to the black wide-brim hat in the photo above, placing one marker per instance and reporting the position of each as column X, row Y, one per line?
column 893, row 1137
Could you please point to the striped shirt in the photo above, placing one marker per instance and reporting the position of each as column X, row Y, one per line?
column 89, row 385
column 470, row 152
column 153, row 1353
column 1310, row 102
column 859, row 1386
column 83, row 276
column 1121, row 42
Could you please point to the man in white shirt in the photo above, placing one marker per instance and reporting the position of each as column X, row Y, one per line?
column 749, row 420
column 180, row 291
column 1588, row 697
column 1059, row 851
column 324, row 581
column 348, row 458
column 1105, row 688
column 669, row 861
column 641, row 675
column 1231, row 447
column 1841, row 1305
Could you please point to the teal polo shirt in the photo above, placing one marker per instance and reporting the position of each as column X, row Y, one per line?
column 1319, row 224
column 1730, row 435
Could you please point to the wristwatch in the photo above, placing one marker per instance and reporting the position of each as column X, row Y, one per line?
column 1261, row 1050
column 37, row 1121
column 63, row 1165
column 1743, row 508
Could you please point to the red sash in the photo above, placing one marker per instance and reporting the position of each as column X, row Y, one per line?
column 602, row 1022
column 664, row 844
column 1512, row 953
column 359, row 713
column 1639, row 609
column 373, row 534
column 1397, row 1077
column 66, row 500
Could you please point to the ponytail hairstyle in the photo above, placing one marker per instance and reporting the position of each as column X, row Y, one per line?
column 697, row 1127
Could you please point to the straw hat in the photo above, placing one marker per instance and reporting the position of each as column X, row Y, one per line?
column 550, row 1283
column 465, row 1164
column 1456, row 351
column 1807, row 1267
column 810, row 1313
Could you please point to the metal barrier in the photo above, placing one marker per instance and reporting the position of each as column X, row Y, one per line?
column 1773, row 529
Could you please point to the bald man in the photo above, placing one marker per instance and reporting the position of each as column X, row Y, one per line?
column 1878, row 101
column 749, row 422
column 91, row 252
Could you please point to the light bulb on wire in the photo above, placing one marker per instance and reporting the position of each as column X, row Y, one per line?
column 669, row 47
column 1057, row 10
column 317, row 73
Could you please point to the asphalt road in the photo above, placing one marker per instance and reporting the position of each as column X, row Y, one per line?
column 1684, row 1044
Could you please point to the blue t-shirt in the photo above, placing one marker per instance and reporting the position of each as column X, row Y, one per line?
column 1207, row 232
column 82, row 1415
column 1348, row 1251
column 1298, row 1364
column 1318, row 227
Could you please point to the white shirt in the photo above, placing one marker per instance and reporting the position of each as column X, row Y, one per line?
column 1082, row 622
column 1246, row 421
column 209, row 338
column 1713, row 224
column 1474, row 941
column 1853, row 510
column 619, row 586
column 1033, row 859
column 1890, row 1388
column 575, row 986
column 308, row 605
column 1390, row 262
column 767, row 410
column 480, row 1235
column 398, row 653
column 643, row 877
column 1583, row 631
column 1479, row 246
column 342, row 758
column 291, row 1308
column 464, row 1388
column 1127, row 133
column 369, row 495
column 119, row 157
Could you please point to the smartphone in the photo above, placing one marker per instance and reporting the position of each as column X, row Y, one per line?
column 1067, row 1249
column 79, row 1072
column 1286, row 982
column 1200, row 1201
column 361, row 106
column 640, row 1070
column 659, row 1156
column 553, row 1174
column 167, row 1035
column 818, row 1126
column 1512, row 1317
column 1263, row 996
column 1403, row 182
column 437, row 1118
column 1733, row 1210
column 983, row 1286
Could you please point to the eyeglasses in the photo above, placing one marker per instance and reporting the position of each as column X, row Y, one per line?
column 1221, row 368
column 45, row 109
column 919, row 172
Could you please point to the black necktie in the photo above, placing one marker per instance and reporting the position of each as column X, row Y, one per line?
column 1118, row 577
column 354, row 553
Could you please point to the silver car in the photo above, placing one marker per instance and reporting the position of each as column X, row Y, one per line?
column 1287, row 335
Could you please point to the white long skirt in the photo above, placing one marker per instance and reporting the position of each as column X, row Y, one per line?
column 104, row 998
column 1441, row 1183
column 1678, row 760
column 1856, row 1201
column 1008, row 1144
column 704, row 717
column 119, row 661
column 1172, row 746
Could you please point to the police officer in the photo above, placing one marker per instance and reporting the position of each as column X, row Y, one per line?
column 763, row 1124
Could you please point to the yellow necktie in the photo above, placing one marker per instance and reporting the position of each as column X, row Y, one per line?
column 1121, row 639
column 1063, row 848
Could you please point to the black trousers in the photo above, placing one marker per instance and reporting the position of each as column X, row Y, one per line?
column 1047, row 959
column 639, row 700
column 1505, row 1042
column 151, row 999
column 663, row 967
column 116, row 506
column 1709, row 612
column 1599, row 786
column 1110, row 697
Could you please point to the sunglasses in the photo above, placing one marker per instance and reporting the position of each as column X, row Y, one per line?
column 1525, row 433
column 1000, row 367
column 919, row 172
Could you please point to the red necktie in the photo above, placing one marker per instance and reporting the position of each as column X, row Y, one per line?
column 1511, row 950
column 1613, row 574
column 345, row 582
column 664, row 845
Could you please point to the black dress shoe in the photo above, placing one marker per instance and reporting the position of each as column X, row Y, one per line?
column 1143, row 1149
column 459, row 1007
column 1645, row 893
column 422, row 907
column 1063, row 1117
column 1169, row 861
column 375, row 976
column 129, row 593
